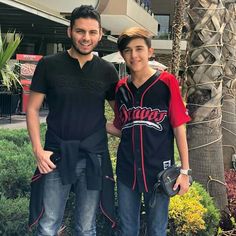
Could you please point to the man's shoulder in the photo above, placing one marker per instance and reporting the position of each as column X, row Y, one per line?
column 103, row 62
column 49, row 61
column 52, row 57
column 106, row 69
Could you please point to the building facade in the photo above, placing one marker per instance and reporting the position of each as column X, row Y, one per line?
column 164, row 11
column 43, row 23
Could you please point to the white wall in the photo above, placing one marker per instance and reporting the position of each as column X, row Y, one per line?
column 65, row 6
column 165, row 46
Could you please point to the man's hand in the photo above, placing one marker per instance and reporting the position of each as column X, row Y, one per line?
column 182, row 182
column 43, row 161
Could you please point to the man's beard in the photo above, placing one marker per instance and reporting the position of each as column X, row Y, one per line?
column 78, row 50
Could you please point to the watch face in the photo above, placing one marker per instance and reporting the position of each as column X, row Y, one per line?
column 186, row 172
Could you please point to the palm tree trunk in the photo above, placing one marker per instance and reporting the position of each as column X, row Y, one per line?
column 204, row 82
column 229, row 78
column 178, row 24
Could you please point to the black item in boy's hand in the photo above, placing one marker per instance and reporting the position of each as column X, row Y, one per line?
column 55, row 158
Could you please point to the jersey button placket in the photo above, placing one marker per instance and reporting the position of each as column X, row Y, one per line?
column 137, row 98
column 137, row 151
column 138, row 159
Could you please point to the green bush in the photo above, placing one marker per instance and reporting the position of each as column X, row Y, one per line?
column 14, row 216
column 18, row 137
column 186, row 214
column 193, row 213
column 212, row 215
column 7, row 148
column 17, row 166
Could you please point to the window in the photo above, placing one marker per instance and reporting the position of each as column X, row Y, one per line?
column 163, row 26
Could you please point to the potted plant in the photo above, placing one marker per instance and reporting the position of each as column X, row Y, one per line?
column 9, row 77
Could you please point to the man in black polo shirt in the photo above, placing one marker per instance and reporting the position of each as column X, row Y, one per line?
column 76, row 84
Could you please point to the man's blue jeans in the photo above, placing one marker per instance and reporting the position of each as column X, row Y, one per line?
column 129, row 204
column 55, row 198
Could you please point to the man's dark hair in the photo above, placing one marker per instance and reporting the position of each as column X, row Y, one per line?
column 85, row 11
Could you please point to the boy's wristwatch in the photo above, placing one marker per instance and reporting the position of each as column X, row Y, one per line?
column 185, row 171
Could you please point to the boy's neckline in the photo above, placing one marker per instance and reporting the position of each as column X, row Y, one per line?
column 137, row 83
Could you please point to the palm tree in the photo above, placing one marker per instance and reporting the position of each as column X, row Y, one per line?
column 178, row 24
column 8, row 46
column 204, row 82
column 229, row 83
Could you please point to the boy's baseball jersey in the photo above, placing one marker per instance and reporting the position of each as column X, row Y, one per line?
column 147, row 116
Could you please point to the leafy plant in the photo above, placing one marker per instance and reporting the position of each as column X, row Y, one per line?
column 8, row 46
column 186, row 214
column 14, row 216
column 17, row 166
column 212, row 215
column 193, row 213
column 19, row 137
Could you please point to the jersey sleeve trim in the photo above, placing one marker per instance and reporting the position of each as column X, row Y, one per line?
column 117, row 122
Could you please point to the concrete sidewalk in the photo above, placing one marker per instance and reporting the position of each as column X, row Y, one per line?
column 19, row 121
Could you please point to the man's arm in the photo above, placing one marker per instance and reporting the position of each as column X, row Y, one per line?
column 181, row 141
column 33, row 125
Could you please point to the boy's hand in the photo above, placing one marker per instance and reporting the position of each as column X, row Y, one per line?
column 182, row 182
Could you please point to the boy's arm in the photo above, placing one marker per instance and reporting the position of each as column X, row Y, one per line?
column 181, row 141
column 112, row 104
column 111, row 129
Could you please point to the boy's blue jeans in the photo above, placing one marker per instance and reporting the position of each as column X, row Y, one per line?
column 129, row 203
column 55, row 198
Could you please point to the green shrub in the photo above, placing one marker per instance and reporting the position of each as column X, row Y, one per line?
column 193, row 213
column 17, row 166
column 7, row 148
column 212, row 215
column 14, row 216
column 186, row 214
column 18, row 137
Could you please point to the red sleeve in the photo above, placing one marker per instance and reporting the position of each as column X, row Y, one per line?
column 117, row 121
column 178, row 113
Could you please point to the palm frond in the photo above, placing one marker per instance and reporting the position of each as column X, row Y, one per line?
column 9, row 78
column 8, row 47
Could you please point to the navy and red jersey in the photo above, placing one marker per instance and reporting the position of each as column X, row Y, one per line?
column 147, row 116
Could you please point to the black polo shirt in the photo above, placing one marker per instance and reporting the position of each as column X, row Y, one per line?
column 147, row 116
column 75, row 96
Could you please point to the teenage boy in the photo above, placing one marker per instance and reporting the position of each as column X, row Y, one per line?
column 149, row 113
column 76, row 84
